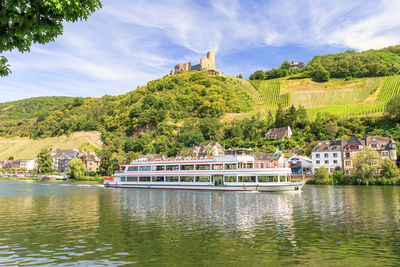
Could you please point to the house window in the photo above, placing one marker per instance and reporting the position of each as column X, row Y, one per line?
column 317, row 162
column 347, row 155
column 326, row 161
column 326, row 155
column 335, row 162
column 317, row 149
column 334, row 148
column 325, row 148
column 317, row 156
column 348, row 163
column 335, row 155
column 373, row 145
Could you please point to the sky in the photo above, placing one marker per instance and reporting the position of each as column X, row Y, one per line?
column 130, row 42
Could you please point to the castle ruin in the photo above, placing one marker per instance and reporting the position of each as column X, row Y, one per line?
column 206, row 63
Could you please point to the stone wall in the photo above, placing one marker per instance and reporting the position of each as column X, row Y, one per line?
column 206, row 63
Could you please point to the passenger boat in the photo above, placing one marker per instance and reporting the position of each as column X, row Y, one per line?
column 228, row 173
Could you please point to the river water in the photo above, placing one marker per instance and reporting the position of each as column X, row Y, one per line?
column 69, row 224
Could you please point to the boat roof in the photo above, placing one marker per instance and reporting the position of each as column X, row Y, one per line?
column 188, row 160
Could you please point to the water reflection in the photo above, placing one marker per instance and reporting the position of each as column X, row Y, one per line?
column 66, row 224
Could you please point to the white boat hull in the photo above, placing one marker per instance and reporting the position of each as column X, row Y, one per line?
column 260, row 187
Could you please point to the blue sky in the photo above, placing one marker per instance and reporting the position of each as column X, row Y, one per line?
column 129, row 42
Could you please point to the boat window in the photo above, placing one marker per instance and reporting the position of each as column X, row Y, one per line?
column 186, row 178
column 132, row 179
column 218, row 167
column 144, row 179
column 257, row 165
column 231, row 179
column 247, row 179
column 123, row 179
column 172, row 178
column 144, row 168
column 241, row 165
column 158, row 179
column 231, row 166
column 132, row 168
column 202, row 178
column 172, row 167
column 249, row 166
column 264, row 179
column 160, row 168
column 187, row 167
column 203, row 167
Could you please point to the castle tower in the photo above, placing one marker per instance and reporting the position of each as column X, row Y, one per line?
column 211, row 60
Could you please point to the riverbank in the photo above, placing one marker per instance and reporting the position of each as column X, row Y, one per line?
column 348, row 180
column 98, row 179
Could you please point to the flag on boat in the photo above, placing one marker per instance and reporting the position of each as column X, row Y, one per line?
column 277, row 152
column 300, row 170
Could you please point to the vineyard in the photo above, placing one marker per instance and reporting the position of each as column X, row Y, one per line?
column 338, row 97
column 390, row 88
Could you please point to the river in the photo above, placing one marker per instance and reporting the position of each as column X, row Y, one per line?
column 67, row 224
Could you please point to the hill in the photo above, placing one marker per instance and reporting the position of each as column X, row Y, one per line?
column 25, row 148
column 32, row 107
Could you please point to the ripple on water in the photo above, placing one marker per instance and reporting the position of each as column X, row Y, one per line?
column 69, row 224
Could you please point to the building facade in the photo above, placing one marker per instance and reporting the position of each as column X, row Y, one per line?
column 385, row 146
column 328, row 154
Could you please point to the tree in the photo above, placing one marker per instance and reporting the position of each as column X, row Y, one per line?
column 393, row 107
column 108, row 164
column 240, row 76
column 10, row 158
column 25, row 22
column 44, row 161
column 76, row 168
column 279, row 117
column 321, row 176
column 319, row 73
column 389, row 169
column 366, row 163
column 331, row 129
column 285, row 65
column 259, row 75
column 190, row 138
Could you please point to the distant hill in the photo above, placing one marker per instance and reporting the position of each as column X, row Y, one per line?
column 32, row 107
column 25, row 148
column 370, row 63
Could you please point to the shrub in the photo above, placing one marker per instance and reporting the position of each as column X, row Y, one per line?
column 321, row 176
column 319, row 73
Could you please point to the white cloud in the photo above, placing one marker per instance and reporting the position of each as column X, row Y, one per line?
column 128, row 43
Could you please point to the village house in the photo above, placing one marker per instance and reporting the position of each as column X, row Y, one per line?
column 269, row 159
column 278, row 133
column 300, row 164
column 385, row 146
column 91, row 161
column 297, row 65
column 62, row 157
column 27, row 165
column 328, row 154
column 206, row 149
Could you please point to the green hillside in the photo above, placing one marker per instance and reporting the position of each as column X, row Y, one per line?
column 357, row 96
column 32, row 107
column 25, row 148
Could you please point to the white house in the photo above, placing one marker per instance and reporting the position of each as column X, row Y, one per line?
column 300, row 164
column 328, row 154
